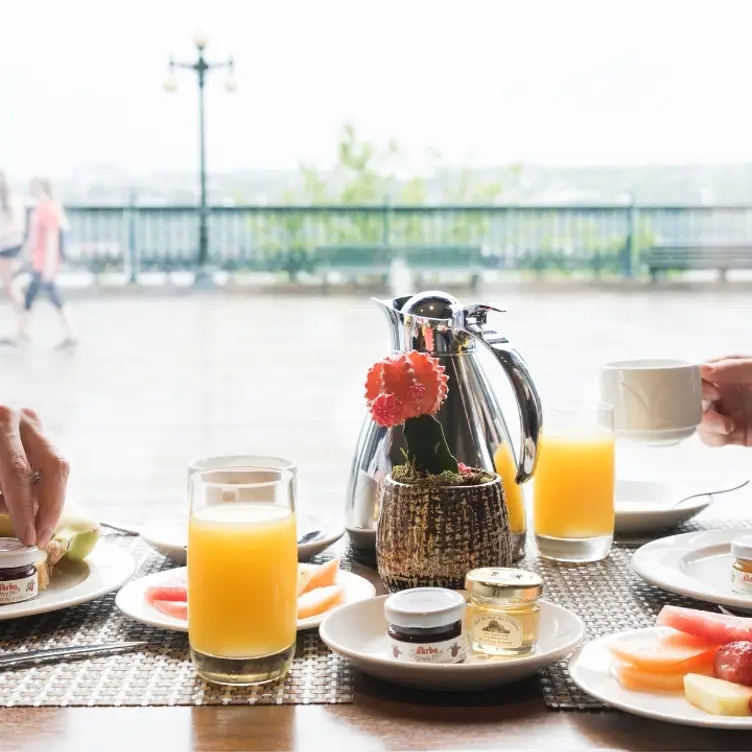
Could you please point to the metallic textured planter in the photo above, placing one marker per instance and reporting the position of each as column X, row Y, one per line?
column 432, row 536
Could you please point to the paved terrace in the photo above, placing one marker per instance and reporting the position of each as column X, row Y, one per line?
column 159, row 380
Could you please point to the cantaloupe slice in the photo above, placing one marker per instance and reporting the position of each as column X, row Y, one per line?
column 305, row 573
column 639, row 680
column 315, row 602
column 668, row 651
column 322, row 576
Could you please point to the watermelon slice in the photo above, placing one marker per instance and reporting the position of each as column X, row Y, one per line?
column 716, row 628
column 178, row 593
column 174, row 609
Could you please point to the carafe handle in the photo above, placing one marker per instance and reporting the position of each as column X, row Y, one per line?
column 473, row 321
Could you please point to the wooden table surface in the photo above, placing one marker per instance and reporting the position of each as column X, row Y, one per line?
column 158, row 382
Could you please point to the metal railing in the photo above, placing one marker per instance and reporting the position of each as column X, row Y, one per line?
column 571, row 239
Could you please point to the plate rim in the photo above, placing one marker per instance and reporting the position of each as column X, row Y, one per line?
column 665, row 544
column 729, row 723
column 332, row 533
column 120, row 559
column 179, row 626
column 466, row 668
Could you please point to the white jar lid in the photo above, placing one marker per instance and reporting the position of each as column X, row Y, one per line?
column 741, row 548
column 14, row 554
column 424, row 608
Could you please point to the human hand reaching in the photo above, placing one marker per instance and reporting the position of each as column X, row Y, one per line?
column 34, row 508
column 727, row 387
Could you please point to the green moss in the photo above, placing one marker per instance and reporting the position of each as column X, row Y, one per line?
column 414, row 476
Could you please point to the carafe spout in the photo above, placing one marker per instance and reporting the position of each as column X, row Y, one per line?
column 391, row 309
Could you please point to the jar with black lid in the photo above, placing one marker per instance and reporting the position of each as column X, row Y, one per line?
column 425, row 625
column 19, row 580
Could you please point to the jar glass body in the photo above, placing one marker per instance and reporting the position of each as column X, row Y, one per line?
column 501, row 627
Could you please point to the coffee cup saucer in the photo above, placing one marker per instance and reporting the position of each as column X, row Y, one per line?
column 643, row 506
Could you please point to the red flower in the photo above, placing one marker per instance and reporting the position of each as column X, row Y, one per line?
column 405, row 386
column 463, row 468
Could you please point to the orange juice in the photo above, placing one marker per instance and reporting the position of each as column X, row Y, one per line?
column 242, row 579
column 573, row 493
column 506, row 467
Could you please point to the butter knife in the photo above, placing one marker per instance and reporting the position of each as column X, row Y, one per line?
column 34, row 656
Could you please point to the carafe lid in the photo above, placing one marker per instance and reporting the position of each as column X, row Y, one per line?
column 431, row 304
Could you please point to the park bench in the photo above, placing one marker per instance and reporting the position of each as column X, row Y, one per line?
column 353, row 262
column 428, row 261
column 663, row 257
column 357, row 262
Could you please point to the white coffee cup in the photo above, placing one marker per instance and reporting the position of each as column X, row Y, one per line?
column 658, row 401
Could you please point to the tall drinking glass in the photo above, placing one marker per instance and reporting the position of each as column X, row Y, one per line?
column 242, row 574
column 574, row 483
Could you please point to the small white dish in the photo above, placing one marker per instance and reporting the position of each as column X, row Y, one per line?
column 590, row 670
column 105, row 569
column 643, row 506
column 169, row 536
column 131, row 600
column 358, row 632
column 697, row 565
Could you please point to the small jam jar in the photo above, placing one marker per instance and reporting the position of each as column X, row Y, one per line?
column 741, row 567
column 502, row 611
column 425, row 625
column 18, row 571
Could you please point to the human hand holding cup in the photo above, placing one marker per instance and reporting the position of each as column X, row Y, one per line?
column 727, row 398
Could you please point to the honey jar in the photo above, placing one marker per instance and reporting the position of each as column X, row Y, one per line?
column 741, row 567
column 502, row 611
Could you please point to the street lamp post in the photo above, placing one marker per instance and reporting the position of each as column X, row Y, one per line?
column 201, row 67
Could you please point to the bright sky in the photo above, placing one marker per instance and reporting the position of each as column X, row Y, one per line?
column 484, row 81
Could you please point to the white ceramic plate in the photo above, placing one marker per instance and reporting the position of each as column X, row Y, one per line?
column 590, row 670
column 643, row 506
column 359, row 632
column 131, row 599
column 76, row 582
column 169, row 536
column 697, row 565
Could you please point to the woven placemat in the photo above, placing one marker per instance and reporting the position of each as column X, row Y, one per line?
column 161, row 674
column 609, row 597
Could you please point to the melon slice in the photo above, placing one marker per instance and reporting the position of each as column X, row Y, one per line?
column 175, row 609
column 716, row 628
column 717, row 696
column 317, row 601
column 639, row 680
column 667, row 651
column 322, row 576
column 305, row 573
column 178, row 593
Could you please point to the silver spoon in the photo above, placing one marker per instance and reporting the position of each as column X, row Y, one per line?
column 716, row 492
column 727, row 612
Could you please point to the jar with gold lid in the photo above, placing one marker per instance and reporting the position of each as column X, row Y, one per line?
column 502, row 611
column 741, row 566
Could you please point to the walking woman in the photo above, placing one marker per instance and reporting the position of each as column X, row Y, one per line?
column 12, row 231
column 45, row 225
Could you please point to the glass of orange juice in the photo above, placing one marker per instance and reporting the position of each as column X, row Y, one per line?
column 242, row 574
column 574, row 481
